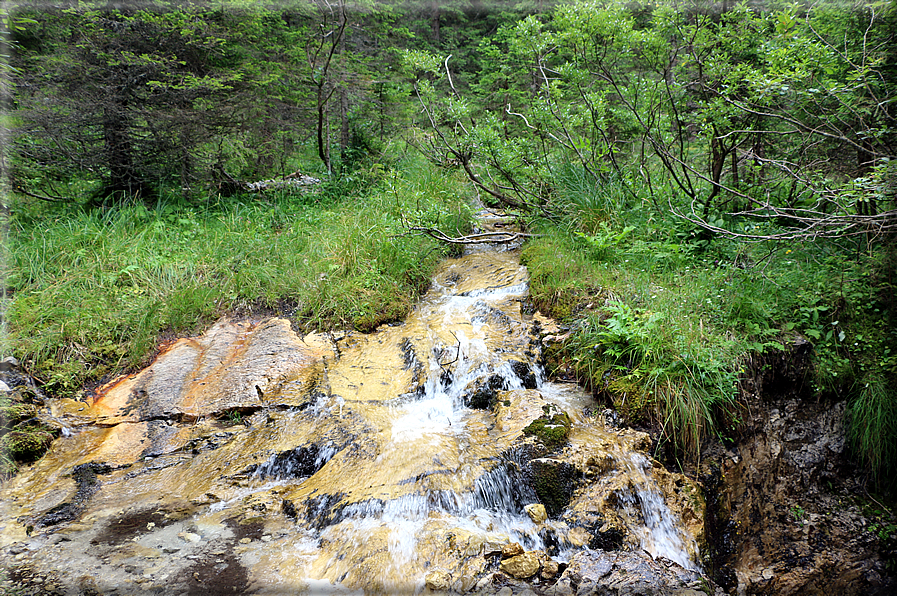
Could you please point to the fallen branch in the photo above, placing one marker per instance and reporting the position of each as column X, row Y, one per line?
column 49, row 198
column 480, row 238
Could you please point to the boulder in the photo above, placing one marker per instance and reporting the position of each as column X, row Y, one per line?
column 536, row 512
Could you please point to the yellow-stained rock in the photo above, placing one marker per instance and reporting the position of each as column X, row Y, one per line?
column 536, row 512
column 550, row 569
column 438, row 580
column 522, row 566
column 511, row 550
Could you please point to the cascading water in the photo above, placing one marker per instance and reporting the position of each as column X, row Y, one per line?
column 386, row 463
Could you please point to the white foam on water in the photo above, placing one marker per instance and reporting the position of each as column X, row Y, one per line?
column 661, row 535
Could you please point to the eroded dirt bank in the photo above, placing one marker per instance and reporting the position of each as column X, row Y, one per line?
column 785, row 503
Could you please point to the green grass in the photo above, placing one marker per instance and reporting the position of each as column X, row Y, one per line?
column 93, row 291
column 872, row 419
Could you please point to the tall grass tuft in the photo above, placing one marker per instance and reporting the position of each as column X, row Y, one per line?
column 872, row 417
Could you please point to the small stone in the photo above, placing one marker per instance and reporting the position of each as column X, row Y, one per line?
column 550, row 569
column 190, row 536
column 266, row 538
column 522, row 566
column 438, row 580
column 150, row 525
column 4, row 387
column 511, row 550
column 482, row 584
column 536, row 512
column 245, row 540
column 506, row 591
column 768, row 573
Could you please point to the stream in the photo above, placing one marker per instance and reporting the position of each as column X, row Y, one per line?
column 429, row 456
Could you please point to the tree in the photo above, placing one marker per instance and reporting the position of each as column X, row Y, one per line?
column 747, row 113
column 130, row 96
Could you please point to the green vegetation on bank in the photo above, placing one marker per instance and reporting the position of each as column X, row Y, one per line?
column 665, row 324
column 93, row 291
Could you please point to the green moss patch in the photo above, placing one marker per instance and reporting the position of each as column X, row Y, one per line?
column 552, row 428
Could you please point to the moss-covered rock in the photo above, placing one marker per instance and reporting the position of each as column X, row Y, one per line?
column 23, row 438
column 554, row 482
column 551, row 428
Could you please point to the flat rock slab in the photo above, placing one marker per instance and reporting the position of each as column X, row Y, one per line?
column 233, row 366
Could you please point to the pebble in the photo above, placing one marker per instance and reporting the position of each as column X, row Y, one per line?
column 245, row 540
column 266, row 538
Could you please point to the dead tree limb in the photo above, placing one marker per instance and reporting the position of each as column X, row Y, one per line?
column 480, row 238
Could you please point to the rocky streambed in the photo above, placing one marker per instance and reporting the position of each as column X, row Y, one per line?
column 430, row 456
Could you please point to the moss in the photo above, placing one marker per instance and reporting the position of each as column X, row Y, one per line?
column 27, row 443
column 552, row 428
column 393, row 311
column 22, row 438
column 553, row 482
column 631, row 400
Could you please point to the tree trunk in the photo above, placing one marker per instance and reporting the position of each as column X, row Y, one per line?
column 117, row 149
column 435, row 15
column 344, row 136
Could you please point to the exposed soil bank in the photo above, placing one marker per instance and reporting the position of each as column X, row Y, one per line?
column 785, row 503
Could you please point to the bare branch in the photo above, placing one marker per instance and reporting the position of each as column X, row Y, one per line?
column 480, row 238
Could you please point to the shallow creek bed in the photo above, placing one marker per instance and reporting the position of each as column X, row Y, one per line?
column 428, row 456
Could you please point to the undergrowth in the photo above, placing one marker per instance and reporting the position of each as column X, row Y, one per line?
column 92, row 291
column 664, row 317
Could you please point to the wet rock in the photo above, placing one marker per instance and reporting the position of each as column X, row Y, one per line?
column 598, row 572
column 554, row 481
column 438, row 580
column 536, row 512
column 85, row 476
column 231, row 366
column 190, row 537
column 522, row 566
column 525, row 373
column 295, row 463
column 550, row 569
column 482, row 394
column 551, row 428
column 511, row 550
column 468, row 575
column 608, row 537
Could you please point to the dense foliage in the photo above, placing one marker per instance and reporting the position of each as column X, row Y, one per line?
column 711, row 182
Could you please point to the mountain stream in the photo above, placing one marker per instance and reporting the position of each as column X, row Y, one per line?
column 429, row 456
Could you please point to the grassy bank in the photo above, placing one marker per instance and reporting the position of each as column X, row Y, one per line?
column 664, row 318
column 93, row 291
